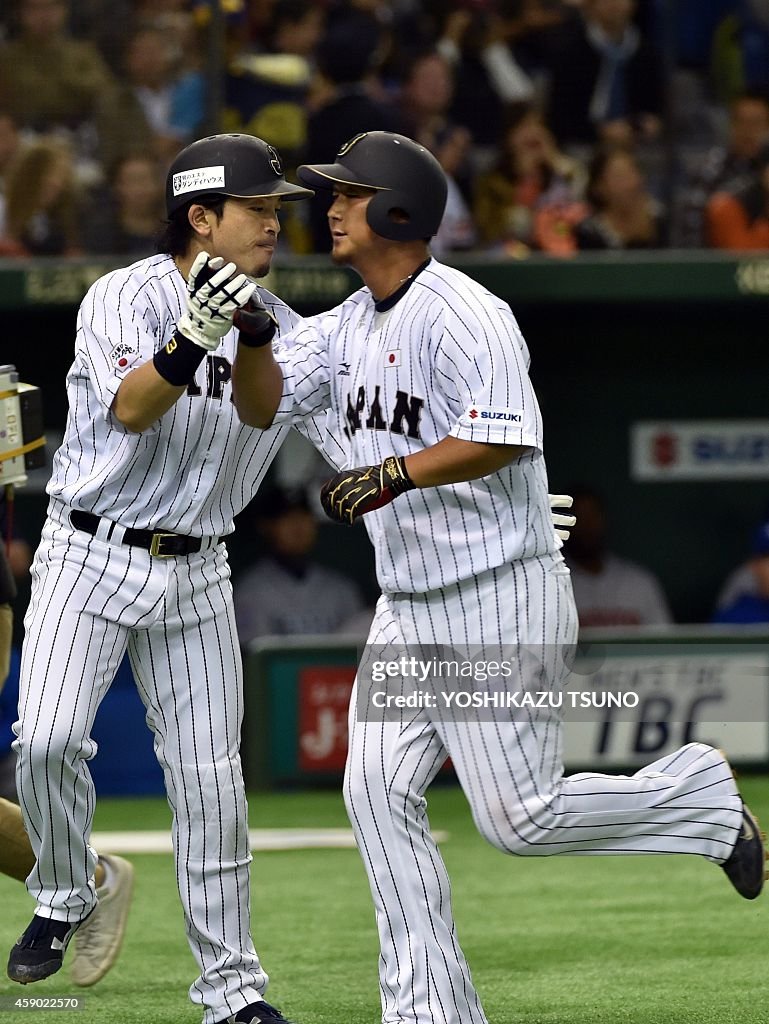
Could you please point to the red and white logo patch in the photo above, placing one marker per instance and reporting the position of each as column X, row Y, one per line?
column 392, row 357
column 123, row 356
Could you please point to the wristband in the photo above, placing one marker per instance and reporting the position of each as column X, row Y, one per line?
column 255, row 325
column 257, row 340
column 178, row 361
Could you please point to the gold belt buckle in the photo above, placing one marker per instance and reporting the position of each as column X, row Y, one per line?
column 157, row 540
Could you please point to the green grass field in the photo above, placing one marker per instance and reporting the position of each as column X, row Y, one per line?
column 568, row 940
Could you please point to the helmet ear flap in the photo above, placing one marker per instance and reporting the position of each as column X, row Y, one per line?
column 380, row 220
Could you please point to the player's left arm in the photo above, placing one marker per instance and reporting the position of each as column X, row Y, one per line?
column 354, row 492
column 454, row 461
column 284, row 383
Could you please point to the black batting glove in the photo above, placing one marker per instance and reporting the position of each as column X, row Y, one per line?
column 354, row 492
column 256, row 326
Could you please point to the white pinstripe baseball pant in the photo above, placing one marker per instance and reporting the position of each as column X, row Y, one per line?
column 91, row 601
column 512, row 774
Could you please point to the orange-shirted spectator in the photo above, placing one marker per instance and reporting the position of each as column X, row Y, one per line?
column 739, row 218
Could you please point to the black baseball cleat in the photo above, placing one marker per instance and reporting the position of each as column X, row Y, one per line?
column 256, row 1013
column 746, row 867
column 40, row 950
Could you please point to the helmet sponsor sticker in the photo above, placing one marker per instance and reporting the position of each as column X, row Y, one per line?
column 487, row 414
column 198, row 179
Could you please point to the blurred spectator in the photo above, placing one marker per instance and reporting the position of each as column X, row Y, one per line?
column 475, row 39
column 625, row 214
column 741, row 580
column 348, row 62
column 156, row 100
column 9, row 147
column 608, row 590
column 751, row 604
column 50, row 80
column 729, row 167
column 740, row 54
column 42, row 201
column 532, row 198
column 174, row 17
column 694, row 24
column 606, row 80
column 532, row 28
column 425, row 98
column 267, row 89
column 128, row 220
column 106, row 23
column 286, row 592
column 739, row 219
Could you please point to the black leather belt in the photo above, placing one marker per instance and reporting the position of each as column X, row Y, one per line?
column 162, row 545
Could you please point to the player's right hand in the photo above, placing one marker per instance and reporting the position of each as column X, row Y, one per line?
column 215, row 291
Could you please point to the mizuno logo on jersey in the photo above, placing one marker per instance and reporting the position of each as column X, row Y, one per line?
column 485, row 413
column 345, row 371
column 405, row 416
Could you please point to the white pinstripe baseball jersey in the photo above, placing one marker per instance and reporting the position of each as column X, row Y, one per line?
column 446, row 358
column 474, row 563
column 155, row 479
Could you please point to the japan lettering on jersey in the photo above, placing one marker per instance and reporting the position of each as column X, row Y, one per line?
column 447, row 358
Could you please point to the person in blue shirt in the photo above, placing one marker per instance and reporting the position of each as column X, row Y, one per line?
column 751, row 606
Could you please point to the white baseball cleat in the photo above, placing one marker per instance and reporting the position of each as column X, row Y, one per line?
column 98, row 940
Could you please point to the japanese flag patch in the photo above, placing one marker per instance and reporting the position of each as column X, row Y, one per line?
column 123, row 356
column 392, row 357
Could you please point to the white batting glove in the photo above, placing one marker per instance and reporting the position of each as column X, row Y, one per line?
column 215, row 291
column 564, row 522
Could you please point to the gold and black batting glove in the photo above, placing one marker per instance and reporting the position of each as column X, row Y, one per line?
column 354, row 492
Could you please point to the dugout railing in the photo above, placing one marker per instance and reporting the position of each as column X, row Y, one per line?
column 685, row 684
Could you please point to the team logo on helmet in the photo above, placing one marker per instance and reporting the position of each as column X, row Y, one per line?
column 275, row 163
column 350, row 143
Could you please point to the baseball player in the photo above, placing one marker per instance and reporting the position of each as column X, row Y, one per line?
column 153, row 467
column 429, row 371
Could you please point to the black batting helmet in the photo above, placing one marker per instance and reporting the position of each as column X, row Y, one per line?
column 407, row 177
column 228, row 165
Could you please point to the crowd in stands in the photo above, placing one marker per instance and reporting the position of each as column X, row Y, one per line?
column 563, row 125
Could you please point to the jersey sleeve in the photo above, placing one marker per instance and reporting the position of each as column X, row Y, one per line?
column 481, row 366
column 116, row 332
column 320, row 428
column 303, row 357
column 322, row 431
